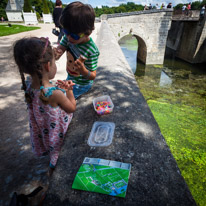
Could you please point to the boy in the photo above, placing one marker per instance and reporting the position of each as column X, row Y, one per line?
column 77, row 20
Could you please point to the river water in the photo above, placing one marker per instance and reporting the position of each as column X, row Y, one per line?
column 176, row 95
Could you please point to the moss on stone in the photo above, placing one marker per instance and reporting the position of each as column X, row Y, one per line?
column 184, row 128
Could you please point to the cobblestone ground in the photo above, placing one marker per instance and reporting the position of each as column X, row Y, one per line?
column 20, row 170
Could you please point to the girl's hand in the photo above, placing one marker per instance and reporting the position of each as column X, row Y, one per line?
column 66, row 84
column 57, row 53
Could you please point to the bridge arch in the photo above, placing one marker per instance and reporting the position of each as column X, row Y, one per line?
column 141, row 49
column 149, row 27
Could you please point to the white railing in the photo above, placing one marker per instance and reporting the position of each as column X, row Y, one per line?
column 47, row 18
column 30, row 18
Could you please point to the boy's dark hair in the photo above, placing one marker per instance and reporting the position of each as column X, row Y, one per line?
column 78, row 18
column 30, row 54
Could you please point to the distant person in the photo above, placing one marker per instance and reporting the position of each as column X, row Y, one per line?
column 188, row 9
column 162, row 6
column 50, row 107
column 202, row 12
column 2, row 19
column 189, row 6
column 56, row 16
column 183, row 9
column 77, row 20
column 169, row 6
column 145, row 7
column 157, row 6
column 150, row 6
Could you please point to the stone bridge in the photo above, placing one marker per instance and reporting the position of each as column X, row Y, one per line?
column 150, row 27
column 156, row 29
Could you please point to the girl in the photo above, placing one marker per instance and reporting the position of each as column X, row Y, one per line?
column 50, row 107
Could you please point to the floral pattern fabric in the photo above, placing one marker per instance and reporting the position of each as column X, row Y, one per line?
column 48, row 125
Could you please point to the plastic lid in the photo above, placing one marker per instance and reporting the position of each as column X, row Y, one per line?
column 102, row 134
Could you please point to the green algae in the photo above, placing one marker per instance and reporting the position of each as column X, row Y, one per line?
column 184, row 128
column 176, row 95
column 179, row 107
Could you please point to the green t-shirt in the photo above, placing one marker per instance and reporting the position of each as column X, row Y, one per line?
column 88, row 50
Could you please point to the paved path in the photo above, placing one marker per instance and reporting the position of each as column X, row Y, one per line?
column 20, row 171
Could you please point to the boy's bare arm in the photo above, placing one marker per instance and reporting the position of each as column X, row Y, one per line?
column 59, row 51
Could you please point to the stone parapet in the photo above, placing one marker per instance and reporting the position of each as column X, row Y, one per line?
column 155, row 178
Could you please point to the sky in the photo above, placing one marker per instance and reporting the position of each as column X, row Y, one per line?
column 110, row 3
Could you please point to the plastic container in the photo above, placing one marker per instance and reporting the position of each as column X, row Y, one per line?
column 101, row 134
column 103, row 105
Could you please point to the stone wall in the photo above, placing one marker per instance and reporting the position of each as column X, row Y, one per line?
column 188, row 40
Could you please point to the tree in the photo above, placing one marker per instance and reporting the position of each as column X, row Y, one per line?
column 178, row 7
column 130, row 6
column 195, row 5
column 3, row 4
column 51, row 6
column 27, row 6
column 38, row 6
column 45, row 7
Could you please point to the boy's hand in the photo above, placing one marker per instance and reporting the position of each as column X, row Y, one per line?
column 57, row 53
column 66, row 84
column 79, row 63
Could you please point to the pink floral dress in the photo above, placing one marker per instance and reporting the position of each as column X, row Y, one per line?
column 48, row 125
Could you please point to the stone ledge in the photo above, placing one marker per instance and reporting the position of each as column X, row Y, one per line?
column 155, row 178
column 139, row 13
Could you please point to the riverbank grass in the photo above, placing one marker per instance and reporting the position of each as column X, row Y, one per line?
column 7, row 29
column 184, row 130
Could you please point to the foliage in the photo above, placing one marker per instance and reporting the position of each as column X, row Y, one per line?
column 196, row 5
column 129, row 7
column 178, row 7
column 3, row 4
column 14, row 29
column 51, row 6
column 27, row 6
column 39, row 6
column 38, row 15
column 45, row 7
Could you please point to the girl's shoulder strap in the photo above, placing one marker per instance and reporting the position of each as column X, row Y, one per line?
column 48, row 91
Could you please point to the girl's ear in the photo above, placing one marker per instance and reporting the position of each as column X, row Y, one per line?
column 47, row 66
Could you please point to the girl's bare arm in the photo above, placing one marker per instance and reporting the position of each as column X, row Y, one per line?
column 59, row 51
column 68, row 104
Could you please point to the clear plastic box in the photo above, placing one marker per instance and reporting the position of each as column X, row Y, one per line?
column 106, row 110
column 101, row 134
